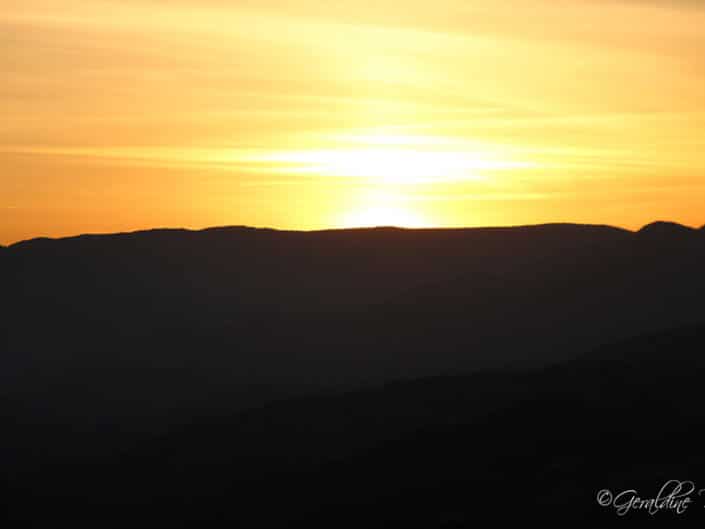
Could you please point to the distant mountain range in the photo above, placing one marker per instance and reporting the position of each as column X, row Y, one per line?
column 364, row 358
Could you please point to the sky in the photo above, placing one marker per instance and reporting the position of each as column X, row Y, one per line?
column 312, row 114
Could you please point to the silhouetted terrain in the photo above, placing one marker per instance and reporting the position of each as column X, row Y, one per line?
column 436, row 452
column 423, row 377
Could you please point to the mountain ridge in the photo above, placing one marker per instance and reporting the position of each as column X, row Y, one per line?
column 652, row 226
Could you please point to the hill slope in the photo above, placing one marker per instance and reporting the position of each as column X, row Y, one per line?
column 438, row 452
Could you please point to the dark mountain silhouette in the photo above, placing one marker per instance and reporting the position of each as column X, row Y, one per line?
column 113, row 344
column 435, row 452
column 665, row 230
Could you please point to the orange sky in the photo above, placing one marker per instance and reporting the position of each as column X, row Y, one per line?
column 131, row 114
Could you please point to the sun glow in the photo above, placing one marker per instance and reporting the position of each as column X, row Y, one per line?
column 393, row 178
column 395, row 165
column 388, row 207
column 397, row 159
column 383, row 216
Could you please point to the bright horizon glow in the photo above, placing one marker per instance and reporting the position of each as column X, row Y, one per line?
column 384, row 206
column 128, row 115
column 377, row 216
column 395, row 159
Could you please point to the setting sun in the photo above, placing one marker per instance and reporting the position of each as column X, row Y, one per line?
column 382, row 216
column 383, row 208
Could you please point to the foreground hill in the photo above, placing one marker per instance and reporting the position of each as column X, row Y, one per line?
column 437, row 452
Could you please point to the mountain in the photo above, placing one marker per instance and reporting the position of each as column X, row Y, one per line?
column 235, row 316
column 108, row 341
column 666, row 230
column 435, row 452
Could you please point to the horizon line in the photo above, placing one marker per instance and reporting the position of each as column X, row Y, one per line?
column 349, row 229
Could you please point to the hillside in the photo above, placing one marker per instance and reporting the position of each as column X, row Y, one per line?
column 435, row 452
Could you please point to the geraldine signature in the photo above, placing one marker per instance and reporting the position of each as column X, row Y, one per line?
column 675, row 496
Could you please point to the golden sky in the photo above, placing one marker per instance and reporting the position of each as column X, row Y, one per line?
column 306, row 114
